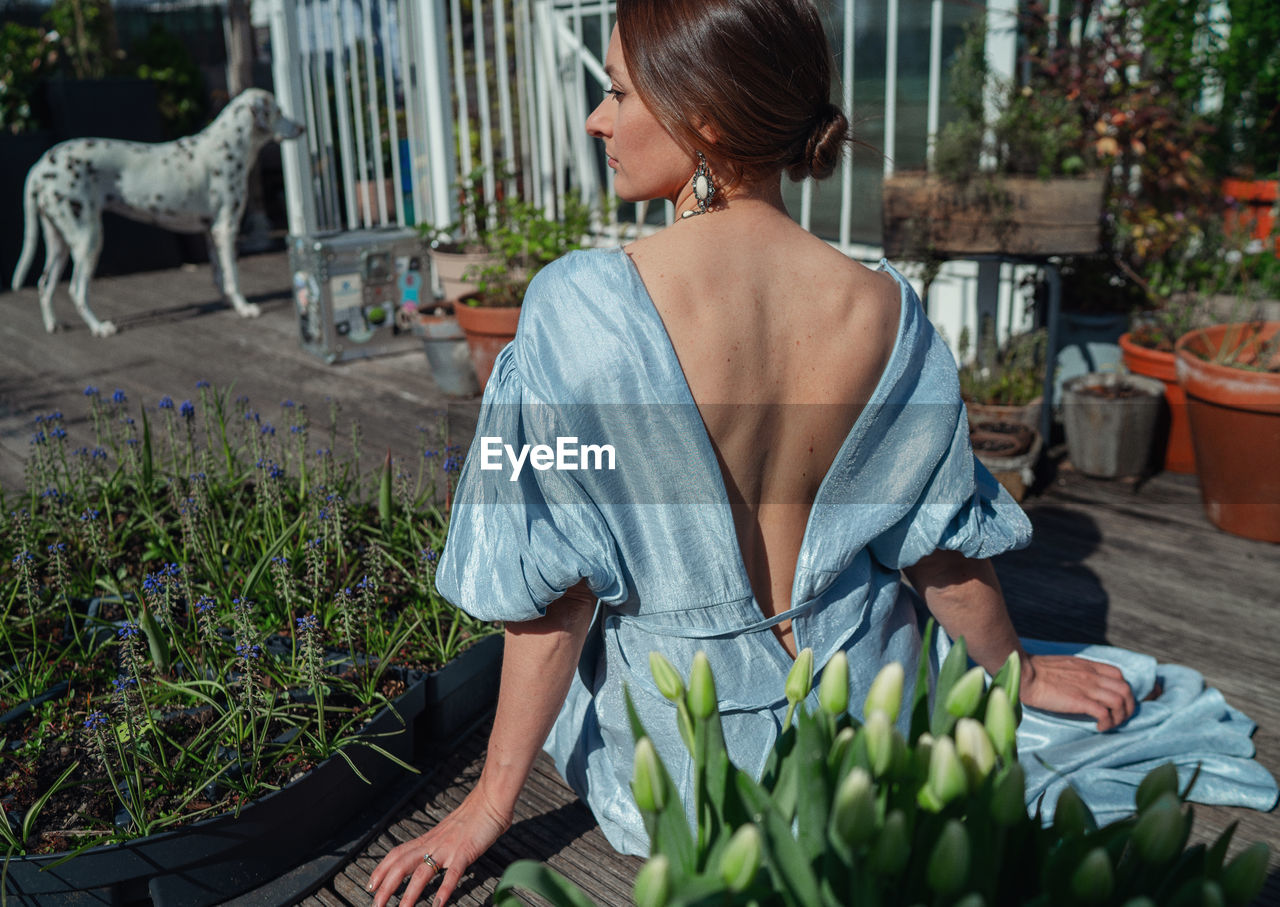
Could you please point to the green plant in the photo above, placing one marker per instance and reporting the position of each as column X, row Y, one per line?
column 165, row 60
column 526, row 241
column 230, row 602
column 1248, row 62
column 850, row 811
column 1012, row 374
column 27, row 55
column 1035, row 130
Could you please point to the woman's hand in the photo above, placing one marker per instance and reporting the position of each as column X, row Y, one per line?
column 454, row 844
column 1064, row 683
column 538, row 663
column 964, row 595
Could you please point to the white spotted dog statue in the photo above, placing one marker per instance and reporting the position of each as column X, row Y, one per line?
column 196, row 184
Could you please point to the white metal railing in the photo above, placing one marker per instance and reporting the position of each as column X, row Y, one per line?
column 507, row 91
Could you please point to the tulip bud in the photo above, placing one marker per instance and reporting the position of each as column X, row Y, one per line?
column 653, row 883
column 840, row 747
column 975, row 750
column 741, row 859
column 702, row 688
column 1008, row 797
column 1071, row 817
column 666, row 677
column 963, row 698
column 886, row 692
column 879, row 741
column 646, row 783
column 1001, row 724
column 1093, row 879
column 854, row 814
column 1160, row 780
column 923, row 754
column 949, row 863
column 833, row 688
column 892, row 847
column 800, row 677
column 1158, row 832
column 1211, row 894
column 946, row 776
column 1243, row 877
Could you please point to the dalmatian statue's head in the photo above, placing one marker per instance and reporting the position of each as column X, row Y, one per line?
column 268, row 119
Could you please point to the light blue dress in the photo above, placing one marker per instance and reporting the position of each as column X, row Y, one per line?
column 655, row 539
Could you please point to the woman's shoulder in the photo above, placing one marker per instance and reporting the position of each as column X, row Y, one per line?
column 575, row 322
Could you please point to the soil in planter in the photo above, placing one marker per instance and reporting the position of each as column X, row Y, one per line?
column 1000, row 439
column 1118, row 391
column 83, row 814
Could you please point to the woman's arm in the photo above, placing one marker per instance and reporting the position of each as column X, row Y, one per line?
column 538, row 662
column 964, row 595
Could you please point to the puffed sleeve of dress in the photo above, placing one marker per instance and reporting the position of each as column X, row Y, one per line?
column 519, row 537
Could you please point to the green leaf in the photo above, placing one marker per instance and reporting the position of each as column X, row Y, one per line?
column 791, row 870
column 920, row 695
column 384, row 494
column 536, row 878
column 1243, row 878
column 953, row 668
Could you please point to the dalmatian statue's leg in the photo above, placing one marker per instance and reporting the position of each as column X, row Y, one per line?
column 224, row 239
column 214, row 263
column 86, row 246
column 56, row 254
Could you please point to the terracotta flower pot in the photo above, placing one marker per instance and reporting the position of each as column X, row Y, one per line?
column 453, row 269
column 1235, row 427
column 1250, row 206
column 488, row 330
column 1027, row 414
column 1174, row 430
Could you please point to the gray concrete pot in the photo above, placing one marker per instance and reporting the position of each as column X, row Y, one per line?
column 1110, row 422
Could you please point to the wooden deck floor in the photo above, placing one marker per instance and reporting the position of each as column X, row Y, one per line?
column 1135, row 565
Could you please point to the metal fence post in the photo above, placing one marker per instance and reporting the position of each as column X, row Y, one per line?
column 286, row 71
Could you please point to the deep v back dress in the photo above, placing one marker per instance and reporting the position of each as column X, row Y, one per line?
column 630, row 497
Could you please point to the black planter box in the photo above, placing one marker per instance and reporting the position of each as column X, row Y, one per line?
column 285, row 844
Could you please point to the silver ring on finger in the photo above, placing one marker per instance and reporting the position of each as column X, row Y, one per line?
column 435, row 867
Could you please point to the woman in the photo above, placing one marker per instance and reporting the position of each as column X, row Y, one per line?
column 788, row 435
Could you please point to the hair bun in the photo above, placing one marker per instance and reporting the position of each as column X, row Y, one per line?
column 825, row 145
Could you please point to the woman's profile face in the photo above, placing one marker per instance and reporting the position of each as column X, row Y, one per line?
column 648, row 162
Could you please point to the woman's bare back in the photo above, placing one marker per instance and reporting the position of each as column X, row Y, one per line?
column 782, row 340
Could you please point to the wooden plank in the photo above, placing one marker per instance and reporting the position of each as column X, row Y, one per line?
column 1004, row 214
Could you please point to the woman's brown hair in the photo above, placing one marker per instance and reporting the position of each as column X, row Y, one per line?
column 756, row 74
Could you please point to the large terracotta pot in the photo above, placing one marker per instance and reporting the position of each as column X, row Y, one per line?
column 488, row 330
column 1235, row 427
column 1175, row 429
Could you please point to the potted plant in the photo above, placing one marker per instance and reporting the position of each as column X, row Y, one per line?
column 462, row 248
column 1148, row 352
column 1018, row 184
column 1231, row 376
column 850, row 810
column 1110, row 422
column 526, row 240
column 214, row 634
column 1001, row 388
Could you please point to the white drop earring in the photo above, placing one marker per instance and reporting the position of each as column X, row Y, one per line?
column 704, row 190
